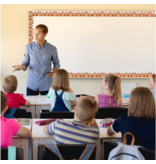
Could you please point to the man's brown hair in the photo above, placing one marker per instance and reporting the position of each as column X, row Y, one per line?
column 3, row 101
column 86, row 108
column 61, row 80
column 10, row 84
column 43, row 27
column 142, row 103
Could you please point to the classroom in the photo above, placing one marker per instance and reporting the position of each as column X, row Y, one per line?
column 120, row 34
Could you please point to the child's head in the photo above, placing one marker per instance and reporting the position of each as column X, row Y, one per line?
column 113, row 83
column 86, row 108
column 10, row 84
column 3, row 102
column 152, row 82
column 142, row 103
column 61, row 80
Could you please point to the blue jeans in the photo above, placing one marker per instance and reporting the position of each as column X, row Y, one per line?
column 31, row 92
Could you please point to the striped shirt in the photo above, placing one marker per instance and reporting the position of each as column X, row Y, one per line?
column 72, row 132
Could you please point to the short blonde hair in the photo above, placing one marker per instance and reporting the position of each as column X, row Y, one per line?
column 86, row 108
column 61, row 80
column 10, row 84
column 142, row 103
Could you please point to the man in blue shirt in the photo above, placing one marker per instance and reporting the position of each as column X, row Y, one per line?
column 38, row 56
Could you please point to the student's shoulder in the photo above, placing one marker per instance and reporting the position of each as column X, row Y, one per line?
column 69, row 91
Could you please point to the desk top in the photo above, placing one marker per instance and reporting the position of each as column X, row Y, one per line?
column 31, row 99
column 42, row 101
column 37, row 131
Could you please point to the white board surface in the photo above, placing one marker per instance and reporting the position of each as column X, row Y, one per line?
column 102, row 44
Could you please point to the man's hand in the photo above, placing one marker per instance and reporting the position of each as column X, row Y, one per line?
column 17, row 68
column 50, row 74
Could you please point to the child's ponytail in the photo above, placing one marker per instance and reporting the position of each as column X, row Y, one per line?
column 117, row 90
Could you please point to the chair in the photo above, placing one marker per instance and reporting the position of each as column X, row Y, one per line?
column 4, row 153
column 68, row 152
column 59, row 115
column 111, row 112
column 20, row 113
column 108, row 146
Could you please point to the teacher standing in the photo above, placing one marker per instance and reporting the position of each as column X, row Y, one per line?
column 39, row 56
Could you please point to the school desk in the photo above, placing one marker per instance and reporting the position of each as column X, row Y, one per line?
column 32, row 108
column 42, row 103
column 40, row 138
column 24, row 143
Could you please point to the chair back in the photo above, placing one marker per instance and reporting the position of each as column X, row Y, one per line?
column 111, row 112
column 108, row 146
column 4, row 154
column 20, row 113
column 58, row 115
column 68, row 152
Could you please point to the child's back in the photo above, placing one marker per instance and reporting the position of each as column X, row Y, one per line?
column 112, row 92
column 13, row 99
column 107, row 101
column 82, row 130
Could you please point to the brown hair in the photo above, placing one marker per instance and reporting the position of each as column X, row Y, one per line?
column 43, row 27
column 86, row 108
column 142, row 103
column 154, row 77
column 10, row 84
column 114, row 83
column 3, row 101
column 61, row 80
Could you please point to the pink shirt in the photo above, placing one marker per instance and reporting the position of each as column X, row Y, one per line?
column 15, row 100
column 104, row 101
column 9, row 127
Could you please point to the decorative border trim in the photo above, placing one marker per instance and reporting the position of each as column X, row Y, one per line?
column 83, row 14
column 104, row 74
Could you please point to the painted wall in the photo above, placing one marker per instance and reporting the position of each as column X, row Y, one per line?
column 14, row 31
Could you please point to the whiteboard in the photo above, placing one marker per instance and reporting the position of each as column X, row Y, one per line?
column 126, row 88
column 102, row 44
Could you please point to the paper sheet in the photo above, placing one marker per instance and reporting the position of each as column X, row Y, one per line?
column 43, row 101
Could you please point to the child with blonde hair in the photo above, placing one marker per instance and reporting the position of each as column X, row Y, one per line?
column 13, row 99
column 60, row 93
column 152, row 85
column 9, row 127
column 82, row 130
column 112, row 92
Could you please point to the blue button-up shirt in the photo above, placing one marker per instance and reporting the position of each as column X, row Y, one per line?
column 154, row 94
column 39, row 62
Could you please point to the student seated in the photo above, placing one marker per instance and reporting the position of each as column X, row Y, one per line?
column 112, row 92
column 9, row 127
column 60, row 94
column 13, row 99
column 82, row 130
column 152, row 85
column 140, row 120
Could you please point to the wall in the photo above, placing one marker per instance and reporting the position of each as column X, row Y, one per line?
column 14, row 31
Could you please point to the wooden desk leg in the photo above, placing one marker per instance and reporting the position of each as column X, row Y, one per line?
column 22, row 143
column 98, row 150
column 38, row 111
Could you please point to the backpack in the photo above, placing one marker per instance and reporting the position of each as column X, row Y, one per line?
column 126, row 152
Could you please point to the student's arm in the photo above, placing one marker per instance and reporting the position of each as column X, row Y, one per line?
column 45, row 130
column 24, row 132
column 109, row 131
column 96, row 99
column 93, row 123
column 49, row 129
column 27, row 103
column 74, row 102
column 121, row 102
